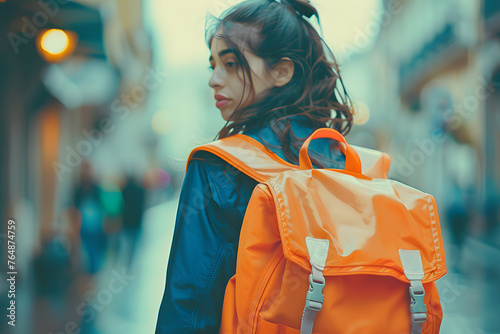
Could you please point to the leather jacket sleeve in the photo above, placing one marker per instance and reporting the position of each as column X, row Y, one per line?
column 212, row 203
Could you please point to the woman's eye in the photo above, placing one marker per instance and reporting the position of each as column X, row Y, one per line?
column 229, row 64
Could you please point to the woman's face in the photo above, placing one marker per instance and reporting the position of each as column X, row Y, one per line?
column 227, row 78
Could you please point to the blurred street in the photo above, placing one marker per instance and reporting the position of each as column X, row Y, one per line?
column 469, row 294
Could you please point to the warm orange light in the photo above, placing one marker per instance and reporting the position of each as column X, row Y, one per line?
column 56, row 44
column 54, row 41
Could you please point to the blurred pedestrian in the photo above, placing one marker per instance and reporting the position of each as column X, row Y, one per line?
column 87, row 199
column 112, row 201
column 133, row 207
column 492, row 215
column 458, row 215
column 52, row 267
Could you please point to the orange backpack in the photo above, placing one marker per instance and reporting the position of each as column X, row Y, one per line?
column 331, row 251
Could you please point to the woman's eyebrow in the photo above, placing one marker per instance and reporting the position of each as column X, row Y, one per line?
column 223, row 52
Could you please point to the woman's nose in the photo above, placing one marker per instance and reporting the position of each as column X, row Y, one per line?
column 216, row 80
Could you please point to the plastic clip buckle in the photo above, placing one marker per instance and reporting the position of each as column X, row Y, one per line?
column 418, row 308
column 314, row 298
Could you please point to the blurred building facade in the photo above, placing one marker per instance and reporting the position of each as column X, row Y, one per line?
column 57, row 110
column 437, row 113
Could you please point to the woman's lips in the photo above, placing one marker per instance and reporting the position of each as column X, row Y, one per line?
column 221, row 103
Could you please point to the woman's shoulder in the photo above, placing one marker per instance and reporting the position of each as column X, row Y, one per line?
column 220, row 172
column 209, row 164
column 228, row 186
column 207, row 159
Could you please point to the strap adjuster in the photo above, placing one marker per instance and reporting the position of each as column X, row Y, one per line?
column 315, row 296
column 418, row 317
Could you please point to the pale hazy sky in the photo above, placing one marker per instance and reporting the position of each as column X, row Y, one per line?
column 179, row 26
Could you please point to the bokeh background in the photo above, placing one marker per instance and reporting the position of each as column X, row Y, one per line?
column 102, row 101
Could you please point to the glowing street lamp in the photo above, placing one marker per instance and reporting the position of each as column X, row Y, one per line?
column 55, row 44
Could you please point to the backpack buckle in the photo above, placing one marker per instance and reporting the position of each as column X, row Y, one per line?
column 414, row 272
column 314, row 298
column 418, row 309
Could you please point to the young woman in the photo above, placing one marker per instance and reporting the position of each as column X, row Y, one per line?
column 272, row 81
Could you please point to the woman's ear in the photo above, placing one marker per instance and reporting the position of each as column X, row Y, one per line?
column 282, row 72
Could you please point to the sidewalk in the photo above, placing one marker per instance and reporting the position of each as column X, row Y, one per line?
column 134, row 310
column 470, row 293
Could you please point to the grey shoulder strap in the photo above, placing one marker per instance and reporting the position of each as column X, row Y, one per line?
column 318, row 252
column 414, row 271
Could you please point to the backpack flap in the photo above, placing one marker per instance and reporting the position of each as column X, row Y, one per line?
column 366, row 221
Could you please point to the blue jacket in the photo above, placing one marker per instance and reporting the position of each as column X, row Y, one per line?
column 213, row 200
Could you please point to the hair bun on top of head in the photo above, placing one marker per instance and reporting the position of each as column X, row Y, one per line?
column 303, row 7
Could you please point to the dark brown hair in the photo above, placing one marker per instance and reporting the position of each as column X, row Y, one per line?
column 273, row 30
